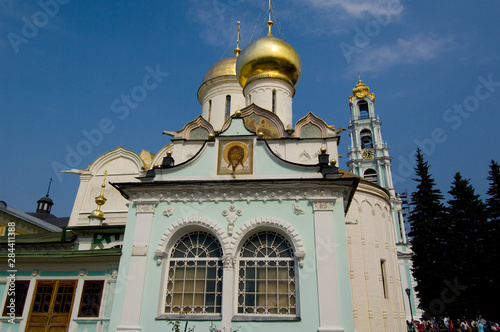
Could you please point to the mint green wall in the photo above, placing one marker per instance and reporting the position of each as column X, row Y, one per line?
column 121, row 281
column 6, row 326
column 307, row 275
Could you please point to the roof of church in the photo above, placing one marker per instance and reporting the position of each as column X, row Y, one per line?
column 35, row 220
column 50, row 218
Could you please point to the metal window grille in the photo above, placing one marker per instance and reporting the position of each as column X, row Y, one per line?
column 194, row 281
column 19, row 296
column 91, row 298
column 266, row 280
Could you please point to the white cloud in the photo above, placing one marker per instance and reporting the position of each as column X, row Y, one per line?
column 324, row 17
column 352, row 8
column 420, row 47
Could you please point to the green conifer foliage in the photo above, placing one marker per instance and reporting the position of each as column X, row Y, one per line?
column 490, row 292
column 427, row 240
column 466, row 214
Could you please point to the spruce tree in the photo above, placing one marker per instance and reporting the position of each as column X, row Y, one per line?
column 467, row 220
column 428, row 240
column 490, row 291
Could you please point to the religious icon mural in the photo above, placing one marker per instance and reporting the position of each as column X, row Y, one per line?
column 235, row 157
column 260, row 124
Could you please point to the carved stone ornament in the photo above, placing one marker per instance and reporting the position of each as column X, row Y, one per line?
column 231, row 215
column 145, row 207
column 229, row 261
column 169, row 211
column 297, row 210
column 323, row 205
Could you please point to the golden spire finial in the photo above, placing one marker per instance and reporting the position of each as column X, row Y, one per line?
column 359, row 76
column 100, row 200
column 269, row 22
column 237, row 50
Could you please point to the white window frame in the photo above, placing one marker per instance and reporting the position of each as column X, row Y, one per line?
column 266, row 317
column 164, row 281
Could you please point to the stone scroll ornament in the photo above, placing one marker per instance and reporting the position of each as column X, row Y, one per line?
column 231, row 215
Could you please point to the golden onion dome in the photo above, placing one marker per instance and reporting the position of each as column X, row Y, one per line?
column 223, row 67
column 268, row 57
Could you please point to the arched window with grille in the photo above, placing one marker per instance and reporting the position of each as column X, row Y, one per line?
column 194, row 276
column 266, row 276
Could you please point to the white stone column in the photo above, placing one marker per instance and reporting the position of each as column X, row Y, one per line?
column 131, row 312
column 227, row 291
column 379, row 175
column 326, row 264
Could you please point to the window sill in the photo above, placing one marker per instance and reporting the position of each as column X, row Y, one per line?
column 90, row 320
column 6, row 319
column 200, row 317
column 264, row 318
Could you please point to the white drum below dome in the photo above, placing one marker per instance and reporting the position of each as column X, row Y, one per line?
column 273, row 94
column 215, row 100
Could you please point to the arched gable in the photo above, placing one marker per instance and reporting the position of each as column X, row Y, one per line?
column 258, row 119
column 195, row 129
column 119, row 160
column 310, row 126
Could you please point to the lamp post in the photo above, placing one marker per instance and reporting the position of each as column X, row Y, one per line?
column 408, row 291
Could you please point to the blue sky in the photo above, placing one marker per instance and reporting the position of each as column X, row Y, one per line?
column 433, row 66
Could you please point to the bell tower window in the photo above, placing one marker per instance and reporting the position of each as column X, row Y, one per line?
column 371, row 175
column 228, row 106
column 363, row 109
column 366, row 139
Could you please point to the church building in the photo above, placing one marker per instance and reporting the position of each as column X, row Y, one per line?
column 243, row 222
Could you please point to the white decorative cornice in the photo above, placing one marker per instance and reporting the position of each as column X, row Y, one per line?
column 217, row 194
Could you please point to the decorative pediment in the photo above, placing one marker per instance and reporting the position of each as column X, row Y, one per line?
column 119, row 160
column 198, row 129
column 311, row 126
column 260, row 120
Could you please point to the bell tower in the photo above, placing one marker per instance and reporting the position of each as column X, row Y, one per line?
column 368, row 153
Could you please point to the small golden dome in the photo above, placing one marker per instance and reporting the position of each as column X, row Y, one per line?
column 223, row 67
column 268, row 57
